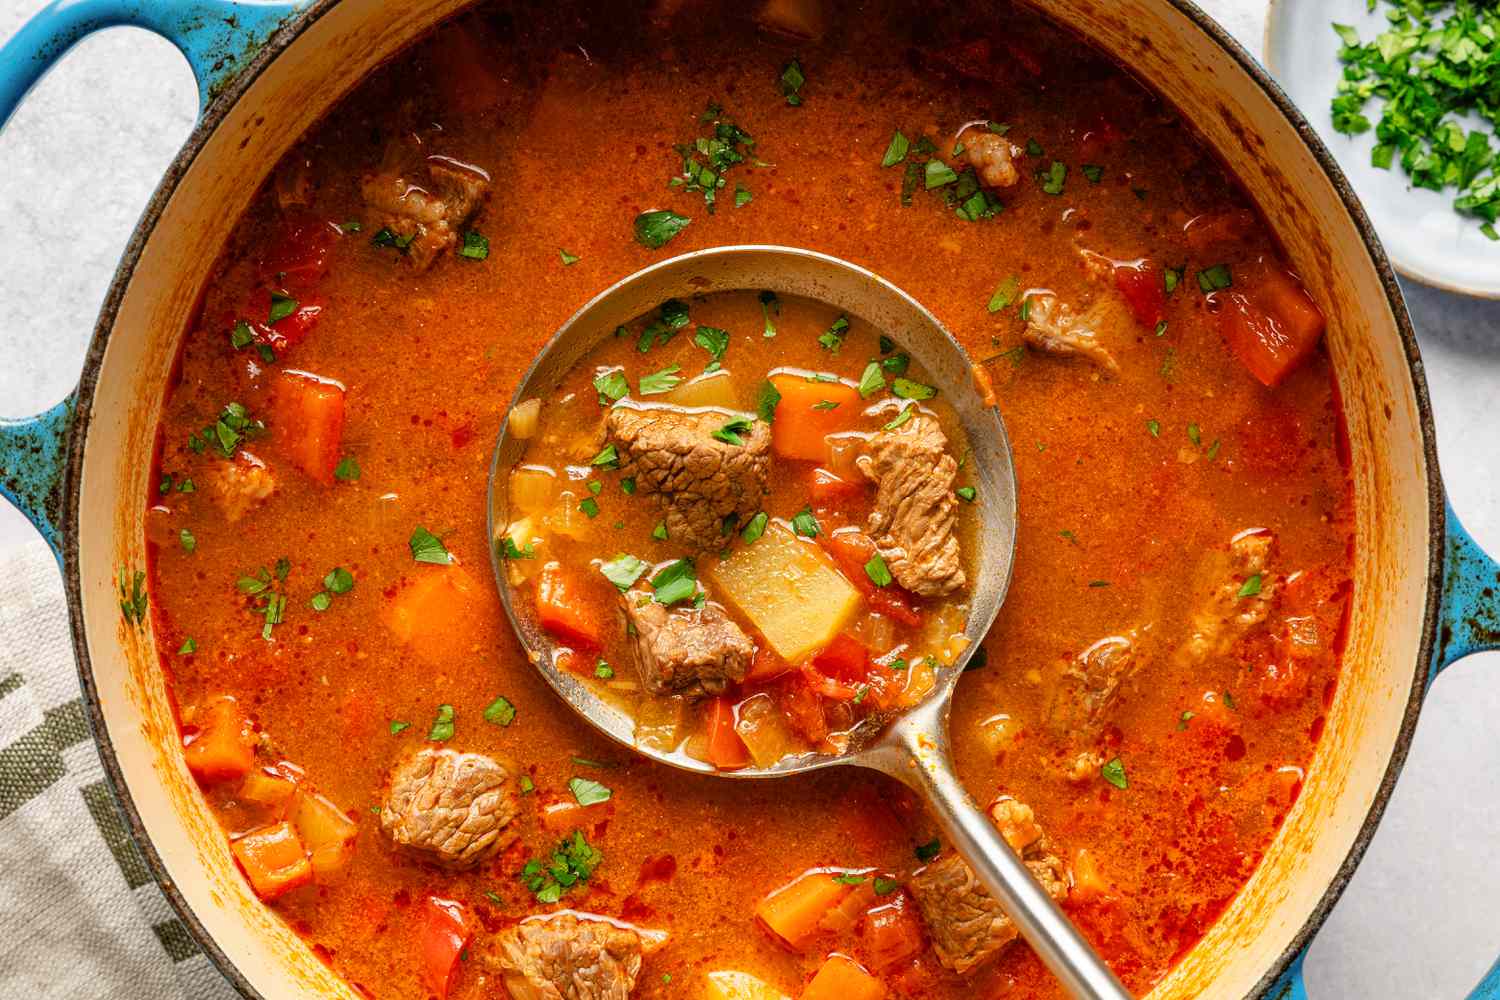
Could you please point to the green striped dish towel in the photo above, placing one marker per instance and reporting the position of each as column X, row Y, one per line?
column 80, row 915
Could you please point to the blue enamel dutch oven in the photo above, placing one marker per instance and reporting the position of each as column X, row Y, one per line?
column 1424, row 594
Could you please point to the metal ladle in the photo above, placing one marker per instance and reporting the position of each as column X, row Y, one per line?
column 912, row 747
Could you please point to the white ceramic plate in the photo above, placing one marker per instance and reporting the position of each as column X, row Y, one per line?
column 1426, row 239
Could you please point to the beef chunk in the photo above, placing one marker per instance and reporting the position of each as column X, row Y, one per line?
column 699, row 480
column 424, row 208
column 450, row 808
column 562, row 957
column 241, row 484
column 914, row 507
column 1052, row 326
column 1224, row 616
column 683, row 650
column 1088, row 685
column 992, row 157
column 966, row 924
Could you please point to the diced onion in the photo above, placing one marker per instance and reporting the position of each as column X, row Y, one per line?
column 843, row 449
column 524, row 418
column 658, row 723
column 532, row 488
column 763, row 728
column 566, row 519
column 712, row 389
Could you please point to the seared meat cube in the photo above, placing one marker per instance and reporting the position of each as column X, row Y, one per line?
column 992, row 157
column 424, row 209
column 914, row 506
column 1088, row 685
column 1226, row 615
column 1052, row 326
column 684, row 650
column 453, row 809
column 241, row 484
column 966, row 924
column 702, row 482
column 562, row 957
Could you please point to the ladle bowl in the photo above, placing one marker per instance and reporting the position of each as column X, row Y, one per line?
column 911, row 747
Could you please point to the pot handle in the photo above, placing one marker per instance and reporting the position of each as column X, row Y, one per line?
column 1468, row 622
column 219, row 39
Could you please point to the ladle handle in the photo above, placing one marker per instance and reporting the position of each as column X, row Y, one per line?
column 1044, row 926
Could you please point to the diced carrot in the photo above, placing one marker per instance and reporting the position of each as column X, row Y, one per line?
column 435, row 615
column 726, row 750
column 828, row 490
column 801, row 428
column 794, row 911
column 845, row 659
column 270, row 788
column 566, row 815
column 273, row 859
column 842, row 978
column 1269, row 321
column 562, row 610
column 222, row 745
column 1140, row 283
column 326, row 831
column 308, row 422
column 891, row 933
column 444, row 934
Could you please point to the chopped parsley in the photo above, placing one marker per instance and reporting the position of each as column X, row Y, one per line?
column 189, row 646
column 937, row 174
column 188, row 542
column 571, row 863
column 428, row 548
column 1093, row 172
column 877, row 571
column 905, row 388
column 791, row 81
column 825, row 404
column 770, row 398
column 347, row 471
column 731, row 432
column 929, row 850
column 233, row 425
column 1171, row 278
column 1250, row 588
column 568, row 259
column 804, row 524
column 1214, row 279
column 603, row 670
column 677, row 582
column 886, row 886
column 660, row 531
column 849, row 878
column 871, row 382
column 510, row 550
column 708, row 159
column 657, row 228
column 624, row 570
column 1114, row 773
column 627, row 485
column 1053, row 178
column 1004, row 295
column 755, row 528
column 442, row 725
column 588, row 792
column 282, row 306
column 742, row 196
column 500, row 712
column 385, row 238
column 476, row 246
column 1194, row 434
column 896, row 151
column 896, row 364
column 901, row 418
column 966, row 493
column 397, row 726
column 590, row 507
column 663, row 381
column 714, row 341
column 833, row 338
column 608, row 457
column 1154, row 427
column 611, row 386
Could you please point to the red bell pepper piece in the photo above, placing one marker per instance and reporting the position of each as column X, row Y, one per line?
column 1141, row 284
column 1269, row 321
column 444, row 934
column 301, row 251
column 852, row 550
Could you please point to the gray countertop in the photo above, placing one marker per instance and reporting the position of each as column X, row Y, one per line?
column 1422, row 916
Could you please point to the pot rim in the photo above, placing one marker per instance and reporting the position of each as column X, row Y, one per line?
column 284, row 36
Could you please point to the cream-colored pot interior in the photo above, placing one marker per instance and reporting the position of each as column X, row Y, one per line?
column 340, row 43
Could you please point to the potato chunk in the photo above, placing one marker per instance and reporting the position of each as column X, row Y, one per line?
column 728, row 984
column 789, row 590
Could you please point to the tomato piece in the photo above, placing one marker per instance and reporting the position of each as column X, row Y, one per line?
column 844, row 659
column 1141, row 284
column 300, row 251
column 221, row 745
column 288, row 331
column 1270, row 322
column 828, row 490
column 891, row 934
column 562, row 610
column 443, row 935
column 726, row 750
column 852, row 550
column 803, row 708
column 308, row 422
